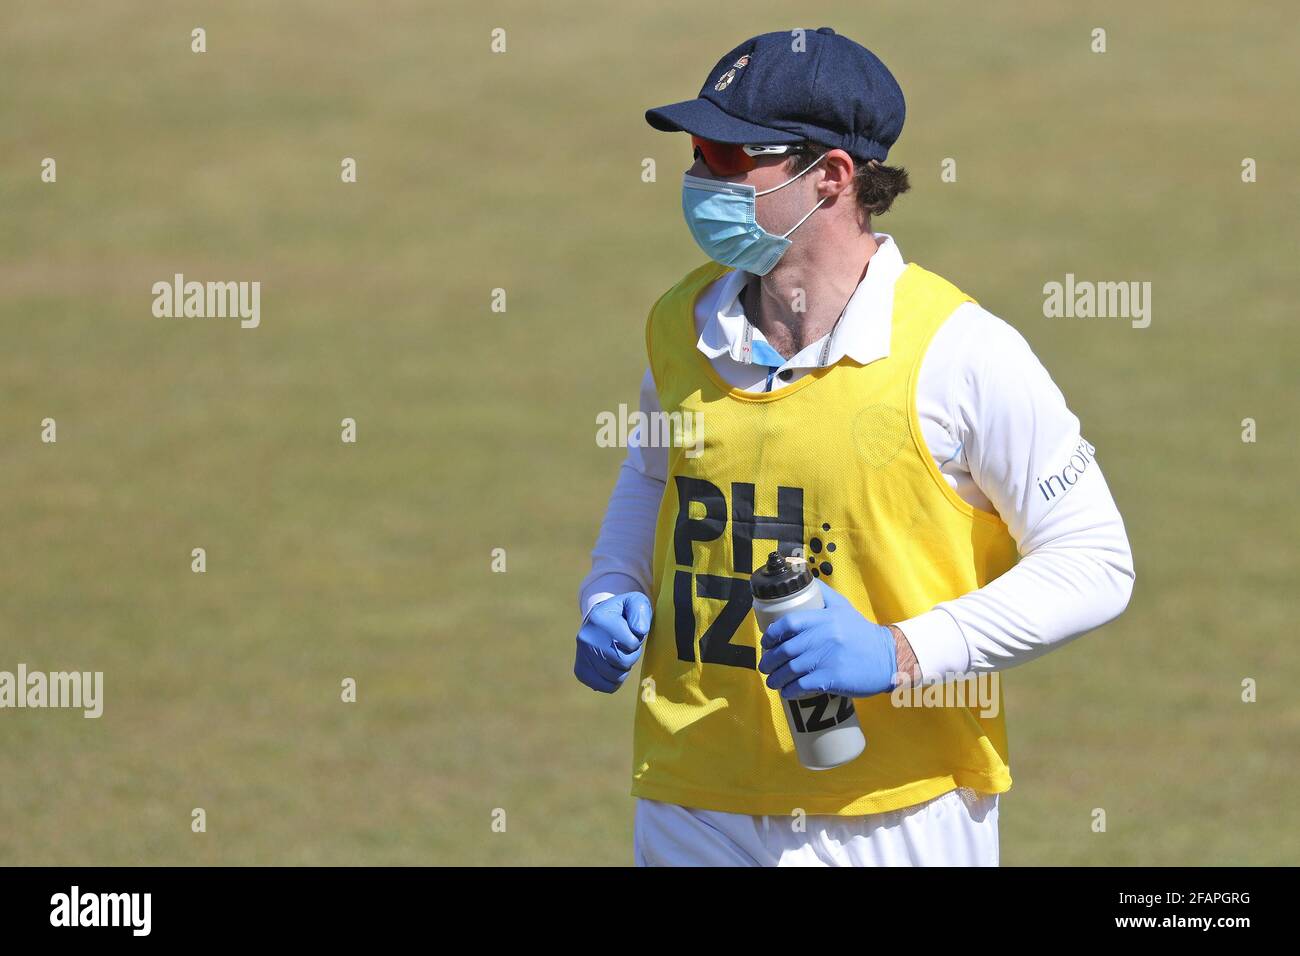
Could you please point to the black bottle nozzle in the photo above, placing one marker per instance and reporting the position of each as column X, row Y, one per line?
column 780, row 577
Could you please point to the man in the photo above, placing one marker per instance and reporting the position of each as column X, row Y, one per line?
column 867, row 414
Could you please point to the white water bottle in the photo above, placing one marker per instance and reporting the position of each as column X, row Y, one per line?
column 824, row 727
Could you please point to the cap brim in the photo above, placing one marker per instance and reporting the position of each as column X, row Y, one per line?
column 702, row 118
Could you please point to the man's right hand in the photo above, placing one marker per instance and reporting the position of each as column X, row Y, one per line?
column 611, row 640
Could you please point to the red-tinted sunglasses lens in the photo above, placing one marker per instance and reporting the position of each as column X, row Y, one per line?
column 723, row 159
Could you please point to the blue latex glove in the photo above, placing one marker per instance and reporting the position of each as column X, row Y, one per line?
column 831, row 650
column 611, row 640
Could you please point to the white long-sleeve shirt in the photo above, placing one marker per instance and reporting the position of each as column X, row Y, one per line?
column 1002, row 436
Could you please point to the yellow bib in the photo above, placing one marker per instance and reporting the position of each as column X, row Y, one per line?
column 833, row 464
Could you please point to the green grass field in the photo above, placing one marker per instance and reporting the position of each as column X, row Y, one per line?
column 476, row 429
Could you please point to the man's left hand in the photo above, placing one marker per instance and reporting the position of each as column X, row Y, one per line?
column 832, row 650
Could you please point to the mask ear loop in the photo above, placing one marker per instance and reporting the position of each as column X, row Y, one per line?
column 793, row 178
column 786, row 235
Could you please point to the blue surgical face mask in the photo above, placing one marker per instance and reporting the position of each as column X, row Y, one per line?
column 721, row 219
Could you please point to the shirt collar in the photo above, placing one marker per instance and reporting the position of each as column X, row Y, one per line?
column 862, row 333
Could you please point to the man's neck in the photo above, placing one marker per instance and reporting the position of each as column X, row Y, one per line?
column 800, row 301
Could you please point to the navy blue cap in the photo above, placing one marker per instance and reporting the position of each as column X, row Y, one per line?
column 834, row 92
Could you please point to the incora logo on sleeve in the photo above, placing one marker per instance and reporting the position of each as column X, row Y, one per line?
column 1080, row 458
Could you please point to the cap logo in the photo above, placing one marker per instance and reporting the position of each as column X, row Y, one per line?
column 725, row 80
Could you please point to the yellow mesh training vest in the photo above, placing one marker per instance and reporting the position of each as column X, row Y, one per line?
column 834, row 464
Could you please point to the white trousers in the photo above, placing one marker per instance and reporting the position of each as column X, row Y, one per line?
column 958, row 828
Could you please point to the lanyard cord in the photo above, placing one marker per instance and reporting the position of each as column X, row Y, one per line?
column 826, row 347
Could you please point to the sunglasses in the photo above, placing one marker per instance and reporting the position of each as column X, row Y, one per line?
column 732, row 159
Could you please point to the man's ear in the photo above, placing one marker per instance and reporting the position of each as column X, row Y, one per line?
column 839, row 171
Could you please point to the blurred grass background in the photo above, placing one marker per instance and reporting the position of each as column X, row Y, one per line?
column 522, row 171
